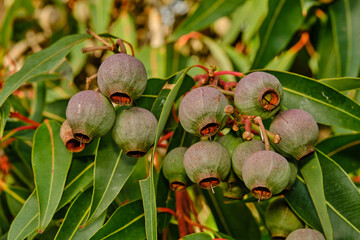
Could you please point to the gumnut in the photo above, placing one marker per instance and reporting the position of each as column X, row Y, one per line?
column 207, row 163
column 90, row 114
column 67, row 136
column 266, row 173
column 258, row 94
column 201, row 111
column 293, row 174
column 280, row 219
column 174, row 171
column 305, row 234
column 242, row 152
column 134, row 131
column 230, row 142
column 122, row 78
column 298, row 131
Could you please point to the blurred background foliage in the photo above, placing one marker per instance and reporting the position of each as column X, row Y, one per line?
column 315, row 38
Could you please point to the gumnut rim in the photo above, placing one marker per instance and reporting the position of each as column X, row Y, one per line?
column 83, row 138
column 269, row 99
column 209, row 129
column 209, row 182
column 136, row 153
column 261, row 192
column 72, row 144
column 177, row 186
column 123, row 99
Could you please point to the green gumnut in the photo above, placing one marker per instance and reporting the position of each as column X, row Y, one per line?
column 230, row 142
column 280, row 219
column 266, row 173
column 207, row 163
column 89, row 114
column 122, row 78
column 174, row 171
column 242, row 152
column 134, row 131
column 201, row 111
column 298, row 131
column 305, row 234
column 258, row 94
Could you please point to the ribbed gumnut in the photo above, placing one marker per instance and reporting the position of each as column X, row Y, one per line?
column 134, row 131
column 122, row 78
column 90, row 114
column 242, row 152
column 230, row 142
column 201, row 111
column 280, row 219
column 174, row 171
column 298, row 131
column 207, row 163
column 266, row 173
column 258, row 94
column 305, row 234
column 67, row 136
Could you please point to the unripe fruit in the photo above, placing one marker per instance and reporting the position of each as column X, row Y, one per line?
column 230, row 142
column 242, row 152
column 134, row 131
column 305, row 234
column 174, row 171
column 122, row 78
column 67, row 136
column 298, row 131
column 201, row 111
column 280, row 219
column 207, row 163
column 90, row 114
column 258, row 94
column 266, row 173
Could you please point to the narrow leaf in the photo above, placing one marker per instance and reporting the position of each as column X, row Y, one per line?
column 127, row 222
column 149, row 200
column 311, row 171
column 342, row 84
column 197, row 236
column 4, row 115
column 207, row 12
column 51, row 161
column 75, row 216
column 40, row 62
column 320, row 100
column 26, row 221
column 87, row 231
column 344, row 15
column 112, row 169
column 343, row 149
column 283, row 20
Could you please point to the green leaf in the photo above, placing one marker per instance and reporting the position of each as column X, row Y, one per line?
column 300, row 201
column 343, row 149
column 100, row 11
column 51, row 161
column 311, row 170
column 75, row 216
column 26, row 221
column 227, row 218
column 112, row 169
column 283, row 20
column 40, row 62
column 127, row 222
column 87, row 231
column 344, row 15
column 197, row 236
column 38, row 103
column 152, row 90
column 319, row 100
column 149, row 200
column 79, row 177
column 207, row 12
column 15, row 202
column 4, row 115
column 342, row 196
column 342, row 84
column 124, row 28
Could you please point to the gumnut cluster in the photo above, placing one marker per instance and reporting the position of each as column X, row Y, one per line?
column 90, row 114
column 245, row 157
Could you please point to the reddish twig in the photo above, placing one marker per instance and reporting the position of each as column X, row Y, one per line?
column 192, row 207
column 166, row 136
column 166, row 210
column 237, row 74
column 15, row 130
column 174, row 114
column 23, row 118
column 180, row 214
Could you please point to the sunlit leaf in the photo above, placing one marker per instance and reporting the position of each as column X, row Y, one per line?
column 4, row 114
column 342, row 84
column 51, row 161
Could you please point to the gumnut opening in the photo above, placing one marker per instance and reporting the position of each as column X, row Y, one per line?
column 209, row 129
column 269, row 99
column 177, row 186
column 261, row 192
column 83, row 138
column 72, row 144
column 209, row 182
column 136, row 154
column 121, row 99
